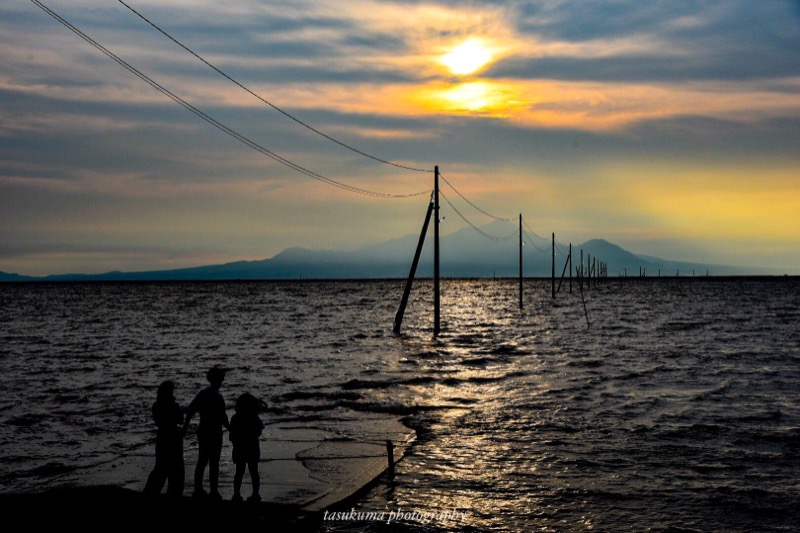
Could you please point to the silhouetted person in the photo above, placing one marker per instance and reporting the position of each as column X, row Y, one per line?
column 245, row 431
column 168, row 416
column 210, row 404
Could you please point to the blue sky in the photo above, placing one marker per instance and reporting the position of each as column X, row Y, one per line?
column 668, row 127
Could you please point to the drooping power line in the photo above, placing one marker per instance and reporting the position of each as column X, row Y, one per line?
column 273, row 106
column 472, row 204
column 476, row 228
column 532, row 243
column 212, row 121
column 533, row 232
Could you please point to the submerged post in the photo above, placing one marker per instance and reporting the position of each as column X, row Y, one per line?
column 436, row 298
column 398, row 318
column 520, row 260
column 390, row 455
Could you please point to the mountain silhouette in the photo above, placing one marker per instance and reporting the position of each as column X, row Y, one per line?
column 488, row 251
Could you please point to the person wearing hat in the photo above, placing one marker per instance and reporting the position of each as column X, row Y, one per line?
column 210, row 405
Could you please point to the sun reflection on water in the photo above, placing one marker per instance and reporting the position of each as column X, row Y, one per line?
column 470, row 469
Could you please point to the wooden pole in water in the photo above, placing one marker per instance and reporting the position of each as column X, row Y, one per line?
column 436, row 287
column 570, row 268
column 398, row 318
column 553, row 257
column 563, row 273
column 520, row 260
column 588, row 270
column 390, row 455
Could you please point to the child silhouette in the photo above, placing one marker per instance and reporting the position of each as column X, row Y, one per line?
column 245, row 430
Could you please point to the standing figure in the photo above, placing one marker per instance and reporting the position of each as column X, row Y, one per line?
column 168, row 416
column 210, row 404
column 245, row 430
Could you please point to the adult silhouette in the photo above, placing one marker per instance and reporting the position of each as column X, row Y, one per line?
column 210, row 405
column 168, row 416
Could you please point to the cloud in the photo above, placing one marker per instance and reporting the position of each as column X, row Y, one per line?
column 675, row 41
column 589, row 100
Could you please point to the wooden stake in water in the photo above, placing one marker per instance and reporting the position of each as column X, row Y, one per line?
column 390, row 454
column 567, row 263
column 585, row 312
column 588, row 270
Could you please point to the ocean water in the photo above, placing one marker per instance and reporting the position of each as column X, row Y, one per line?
column 660, row 405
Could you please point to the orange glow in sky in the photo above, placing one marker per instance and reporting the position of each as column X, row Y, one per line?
column 487, row 98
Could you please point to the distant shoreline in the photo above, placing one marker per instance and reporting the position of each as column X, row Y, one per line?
column 609, row 279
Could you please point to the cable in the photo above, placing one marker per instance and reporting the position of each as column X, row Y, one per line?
column 560, row 247
column 533, row 232
column 472, row 204
column 542, row 250
column 273, row 106
column 222, row 127
column 476, row 228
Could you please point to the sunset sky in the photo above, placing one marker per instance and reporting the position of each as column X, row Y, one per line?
column 669, row 127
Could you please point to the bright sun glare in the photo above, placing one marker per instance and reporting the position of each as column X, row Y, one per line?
column 467, row 57
column 467, row 96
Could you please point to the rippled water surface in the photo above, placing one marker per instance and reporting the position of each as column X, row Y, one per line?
column 665, row 405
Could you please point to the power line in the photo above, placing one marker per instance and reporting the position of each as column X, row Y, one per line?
column 476, row 228
column 530, row 240
column 222, row 127
column 533, row 232
column 273, row 106
column 472, row 204
column 490, row 216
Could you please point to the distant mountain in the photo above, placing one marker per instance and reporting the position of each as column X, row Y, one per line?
column 4, row 276
column 492, row 251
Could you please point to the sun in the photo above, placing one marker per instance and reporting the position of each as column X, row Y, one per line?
column 468, row 57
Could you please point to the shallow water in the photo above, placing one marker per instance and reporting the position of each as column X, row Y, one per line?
column 675, row 407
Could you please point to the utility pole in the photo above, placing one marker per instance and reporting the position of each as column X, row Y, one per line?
column 553, row 274
column 520, row 260
column 436, row 296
